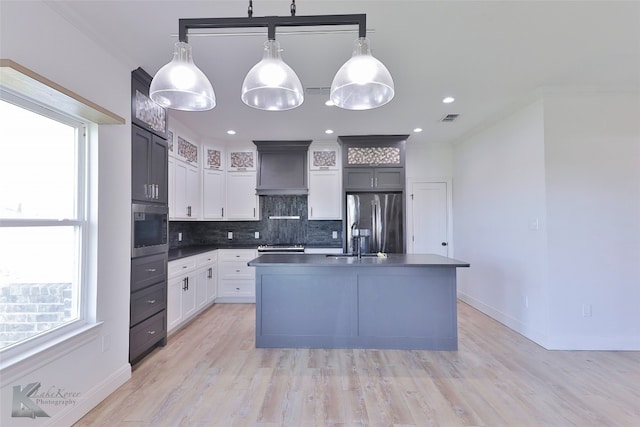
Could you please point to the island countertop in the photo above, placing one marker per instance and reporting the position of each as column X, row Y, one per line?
column 336, row 260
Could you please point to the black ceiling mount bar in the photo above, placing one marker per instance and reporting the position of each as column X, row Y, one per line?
column 271, row 22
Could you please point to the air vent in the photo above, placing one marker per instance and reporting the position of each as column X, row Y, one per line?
column 318, row 91
column 449, row 117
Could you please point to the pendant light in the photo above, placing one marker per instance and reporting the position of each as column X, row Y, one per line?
column 181, row 85
column 271, row 84
column 363, row 82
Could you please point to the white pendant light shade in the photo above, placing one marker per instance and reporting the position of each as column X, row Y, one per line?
column 363, row 82
column 180, row 85
column 271, row 84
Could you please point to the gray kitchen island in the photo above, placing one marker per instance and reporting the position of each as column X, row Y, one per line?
column 402, row 301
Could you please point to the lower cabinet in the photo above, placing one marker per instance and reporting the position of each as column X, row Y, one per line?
column 237, row 281
column 191, row 287
column 148, row 304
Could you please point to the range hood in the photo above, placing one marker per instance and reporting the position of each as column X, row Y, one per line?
column 282, row 168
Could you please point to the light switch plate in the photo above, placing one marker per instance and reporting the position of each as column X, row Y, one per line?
column 230, row 235
column 334, row 234
column 256, row 235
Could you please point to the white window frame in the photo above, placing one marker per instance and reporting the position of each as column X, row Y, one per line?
column 41, row 348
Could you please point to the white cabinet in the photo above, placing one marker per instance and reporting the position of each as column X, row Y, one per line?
column 185, row 193
column 325, row 181
column 325, row 195
column 181, row 292
column 213, row 194
column 192, row 287
column 242, row 201
column 236, row 281
column 207, row 273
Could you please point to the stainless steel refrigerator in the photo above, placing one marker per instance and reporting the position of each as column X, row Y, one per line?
column 382, row 214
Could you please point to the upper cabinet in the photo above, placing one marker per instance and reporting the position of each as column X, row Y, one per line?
column 149, row 154
column 213, row 183
column 373, row 162
column 242, row 160
column 144, row 112
column 324, row 156
column 325, row 181
column 373, row 150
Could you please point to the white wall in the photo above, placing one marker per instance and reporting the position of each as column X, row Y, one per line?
column 32, row 35
column 592, row 150
column 572, row 162
column 498, row 194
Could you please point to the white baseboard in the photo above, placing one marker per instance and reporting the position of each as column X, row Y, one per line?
column 91, row 398
column 510, row 322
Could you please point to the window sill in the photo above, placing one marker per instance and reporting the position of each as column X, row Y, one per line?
column 12, row 368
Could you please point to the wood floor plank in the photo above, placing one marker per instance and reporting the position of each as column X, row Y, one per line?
column 210, row 374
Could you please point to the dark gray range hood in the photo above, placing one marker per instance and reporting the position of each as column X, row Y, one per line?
column 282, row 168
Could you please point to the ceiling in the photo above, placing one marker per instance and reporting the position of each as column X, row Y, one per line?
column 490, row 55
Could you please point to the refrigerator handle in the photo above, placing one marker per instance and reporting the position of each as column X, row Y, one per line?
column 375, row 233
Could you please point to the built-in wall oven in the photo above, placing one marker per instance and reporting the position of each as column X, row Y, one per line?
column 149, row 229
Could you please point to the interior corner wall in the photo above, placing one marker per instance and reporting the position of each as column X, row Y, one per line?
column 592, row 156
column 90, row 371
column 499, row 221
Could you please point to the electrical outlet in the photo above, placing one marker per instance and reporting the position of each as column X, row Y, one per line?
column 526, row 302
column 586, row 310
column 256, row 234
column 334, row 234
column 179, row 237
column 230, row 235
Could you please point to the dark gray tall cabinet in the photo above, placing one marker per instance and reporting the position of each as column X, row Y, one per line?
column 149, row 185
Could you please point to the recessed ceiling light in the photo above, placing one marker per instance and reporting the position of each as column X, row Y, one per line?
column 231, row 132
column 417, row 130
column 448, row 100
column 329, row 103
column 328, row 131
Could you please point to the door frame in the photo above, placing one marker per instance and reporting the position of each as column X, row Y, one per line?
column 409, row 211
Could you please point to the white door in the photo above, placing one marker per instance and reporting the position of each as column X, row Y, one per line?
column 429, row 218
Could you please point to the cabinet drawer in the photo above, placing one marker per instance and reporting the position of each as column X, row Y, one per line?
column 148, row 302
column 245, row 255
column 148, row 270
column 146, row 334
column 181, row 265
column 206, row 259
column 237, row 270
column 237, row 288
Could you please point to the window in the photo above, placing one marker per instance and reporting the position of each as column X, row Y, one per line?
column 43, row 222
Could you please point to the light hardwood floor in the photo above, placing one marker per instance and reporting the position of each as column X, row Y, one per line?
column 210, row 374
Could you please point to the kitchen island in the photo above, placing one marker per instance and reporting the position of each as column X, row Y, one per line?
column 402, row 301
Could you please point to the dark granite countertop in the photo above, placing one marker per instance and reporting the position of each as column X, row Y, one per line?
column 392, row 260
column 188, row 251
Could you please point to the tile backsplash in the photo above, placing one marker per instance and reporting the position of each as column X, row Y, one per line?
column 272, row 231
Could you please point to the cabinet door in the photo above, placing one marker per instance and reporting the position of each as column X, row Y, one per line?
column 171, row 176
column 358, row 178
column 389, row 178
column 179, row 194
column 174, row 302
column 325, row 195
column 140, row 143
column 189, row 296
column 213, row 194
column 201, row 286
column 242, row 202
column 193, row 192
column 186, row 191
column 158, row 169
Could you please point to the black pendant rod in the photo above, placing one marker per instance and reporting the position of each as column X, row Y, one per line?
column 271, row 22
